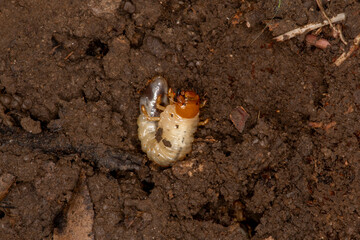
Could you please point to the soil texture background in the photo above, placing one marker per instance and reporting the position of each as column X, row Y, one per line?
column 71, row 75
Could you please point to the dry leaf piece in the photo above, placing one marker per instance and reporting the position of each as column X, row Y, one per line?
column 78, row 218
column 239, row 117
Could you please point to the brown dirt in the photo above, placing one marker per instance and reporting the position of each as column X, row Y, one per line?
column 70, row 76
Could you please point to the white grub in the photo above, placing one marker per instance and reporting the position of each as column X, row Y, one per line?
column 309, row 27
column 167, row 137
column 175, row 136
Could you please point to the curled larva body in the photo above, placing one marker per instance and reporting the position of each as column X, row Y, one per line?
column 171, row 140
column 167, row 137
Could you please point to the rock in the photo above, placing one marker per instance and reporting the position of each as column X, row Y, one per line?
column 129, row 7
column 155, row 46
column 104, row 7
column 147, row 12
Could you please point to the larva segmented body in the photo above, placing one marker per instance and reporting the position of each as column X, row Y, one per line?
column 167, row 136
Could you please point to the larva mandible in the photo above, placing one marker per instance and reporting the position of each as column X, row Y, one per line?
column 167, row 136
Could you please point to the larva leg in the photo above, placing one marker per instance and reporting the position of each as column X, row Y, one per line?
column 171, row 95
column 202, row 104
column 203, row 123
column 158, row 106
column 143, row 110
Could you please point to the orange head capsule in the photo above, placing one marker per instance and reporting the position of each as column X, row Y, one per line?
column 187, row 104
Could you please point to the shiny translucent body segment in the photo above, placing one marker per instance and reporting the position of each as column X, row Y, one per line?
column 158, row 87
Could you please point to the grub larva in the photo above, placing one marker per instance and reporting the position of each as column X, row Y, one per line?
column 167, row 136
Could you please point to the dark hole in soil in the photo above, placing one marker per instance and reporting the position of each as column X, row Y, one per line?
column 60, row 221
column 136, row 40
column 118, row 174
column 2, row 214
column 114, row 174
column 147, row 186
column 251, row 223
column 225, row 213
column 54, row 41
column 97, row 48
column 56, row 45
column 220, row 212
column 227, row 153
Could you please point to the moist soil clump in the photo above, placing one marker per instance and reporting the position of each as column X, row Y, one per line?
column 71, row 76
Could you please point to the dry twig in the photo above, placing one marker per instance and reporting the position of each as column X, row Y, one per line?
column 352, row 49
column 336, row 30
column 309, row 27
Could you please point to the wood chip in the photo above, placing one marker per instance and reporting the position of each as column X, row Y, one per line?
column 329, row 126
column 316, row 124
column 6, row 180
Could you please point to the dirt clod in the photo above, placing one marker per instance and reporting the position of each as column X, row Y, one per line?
column 30, row 125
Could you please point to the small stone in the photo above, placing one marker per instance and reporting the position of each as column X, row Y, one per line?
column 5, row 100
column 30, row 125
column 104, row 7
column 129, row 7
column 26, row 104
column 14, row 104
column 155, row 46
column 55, row 125
column 2, row 65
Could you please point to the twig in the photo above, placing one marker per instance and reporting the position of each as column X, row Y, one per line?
column 322, row 10
column 352, row 49
column 69, row 55
column 309, row 27
column 342, row 38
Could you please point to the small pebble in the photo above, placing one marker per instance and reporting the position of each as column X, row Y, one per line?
column 155, row 46
column 129, row 7
column 26, row 104
column 14, row 104
column 5, row 99
column 2, row 65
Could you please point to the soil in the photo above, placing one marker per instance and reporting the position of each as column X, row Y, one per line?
column 71, row 75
